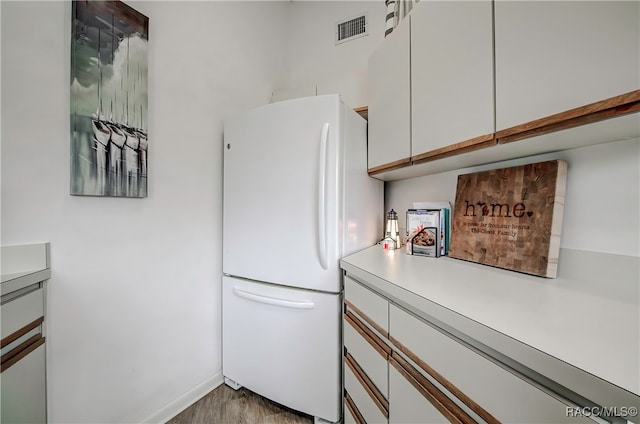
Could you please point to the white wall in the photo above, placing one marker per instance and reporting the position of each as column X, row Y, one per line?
column 602, row 202
column 315, row 58
column 133, row 325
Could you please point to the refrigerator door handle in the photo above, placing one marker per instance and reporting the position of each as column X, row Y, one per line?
column 322, row 183
column 294, row 304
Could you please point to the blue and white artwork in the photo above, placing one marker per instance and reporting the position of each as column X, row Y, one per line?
column 109, row 143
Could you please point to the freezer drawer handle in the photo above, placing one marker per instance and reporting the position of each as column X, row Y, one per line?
column 273, row 300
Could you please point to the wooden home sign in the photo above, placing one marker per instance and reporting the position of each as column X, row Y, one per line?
column 511, row 218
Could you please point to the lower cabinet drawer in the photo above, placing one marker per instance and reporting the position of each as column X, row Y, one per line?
column 501, row 393
column 368, row 304
column 19, row 312
column 362, row 400
column 407, row 405
column 372, row 362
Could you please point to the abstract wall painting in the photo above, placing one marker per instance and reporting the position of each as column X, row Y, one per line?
column 109, row 56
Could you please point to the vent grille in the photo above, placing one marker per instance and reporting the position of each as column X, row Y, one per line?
column 351, row 29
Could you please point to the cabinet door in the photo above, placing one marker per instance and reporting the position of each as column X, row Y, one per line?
column 497, row 391
column 555, row 56
column 24, row 390
column 389, row 99
column 451, row 73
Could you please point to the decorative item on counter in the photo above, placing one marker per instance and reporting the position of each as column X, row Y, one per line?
column 423, row 229
column 421, row 218
column 511, row 217
column 392, row 229
column 445, row 221
column 388, row 243
column 424, row 241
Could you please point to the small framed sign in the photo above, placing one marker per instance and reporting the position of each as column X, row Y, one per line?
column 511, row 217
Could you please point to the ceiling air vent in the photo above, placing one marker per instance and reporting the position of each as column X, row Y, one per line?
column 351, row 29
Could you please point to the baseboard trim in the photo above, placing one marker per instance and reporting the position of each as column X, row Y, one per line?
column 185, row 400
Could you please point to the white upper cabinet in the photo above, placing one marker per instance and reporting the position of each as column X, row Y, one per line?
column 451, row 73
column 552, row 56
column 461, row 81
column 389, row 99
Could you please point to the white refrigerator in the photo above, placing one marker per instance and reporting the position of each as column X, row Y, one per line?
column 297, row 198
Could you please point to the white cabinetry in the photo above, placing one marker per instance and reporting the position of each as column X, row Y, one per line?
column 552, row 75
column 24, row 389
column 409, row 405
column 22, row 311
column 431, row 364
column 365, row 355
column 431, row 84
column 390, row 99
column 451, row 73
column 470, row 375
column 552, row 56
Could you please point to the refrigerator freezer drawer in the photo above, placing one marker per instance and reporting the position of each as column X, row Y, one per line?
column 284, row 344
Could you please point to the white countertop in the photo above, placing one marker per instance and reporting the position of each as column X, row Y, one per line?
column 18, row 275
column 23, row 265
column 588, row 317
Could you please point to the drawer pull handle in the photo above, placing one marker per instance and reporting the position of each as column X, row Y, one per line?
column 364, row 316
column 355, row 412
column 380, row 346
column 470, row 403
column 439, row 400
column 367, row 384
column 15, row 355
column 273, row 300
column 21, row 332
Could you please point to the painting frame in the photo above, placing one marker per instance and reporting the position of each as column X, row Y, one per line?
column 109, row 100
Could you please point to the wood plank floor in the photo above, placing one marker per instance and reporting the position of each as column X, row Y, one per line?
column 227, row 406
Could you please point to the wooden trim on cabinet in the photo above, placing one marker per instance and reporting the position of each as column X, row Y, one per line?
column 368, row 319
column 362, row 111
column 21, row 332
column 15, row 355
column 391, row 166
column 439, row 400
column 351, row 406
column 7, row 356
column 372, row 338
column 368, row 385
column 471, row 404
column 598, row 111
column 466, row 146
column 613, row 107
